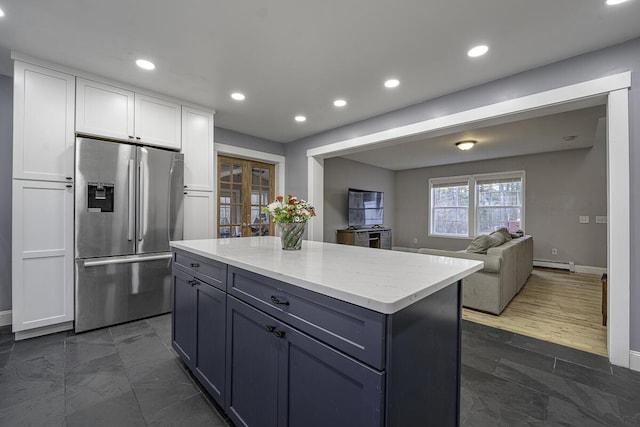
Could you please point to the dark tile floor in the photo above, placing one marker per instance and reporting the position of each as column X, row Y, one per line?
column 128, row 375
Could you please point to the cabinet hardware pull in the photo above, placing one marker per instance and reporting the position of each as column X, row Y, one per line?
column 137, row 137
column 131, row 136
column 276, row 300
column 195, row 265
column 69, row 178
column 193, row 282
column 186, row 192
column 279, row 334
column 68, row 185
column 270, row 328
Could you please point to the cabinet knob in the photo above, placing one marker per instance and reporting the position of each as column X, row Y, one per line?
column 68, row 185
column 186, row 192
column 276, row 300
column 270, row 328
column 131, row 136
column 195, row 265
column 279, row 334
column 138, row 138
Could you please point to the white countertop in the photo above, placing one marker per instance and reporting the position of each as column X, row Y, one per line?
column 381, row 280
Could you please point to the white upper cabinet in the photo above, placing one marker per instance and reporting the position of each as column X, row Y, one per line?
column 197, row 147
column 43, row 123
column 113, row 112
column 104, row 110
column 157, row 122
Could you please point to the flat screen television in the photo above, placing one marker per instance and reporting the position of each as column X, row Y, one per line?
column 365, row 208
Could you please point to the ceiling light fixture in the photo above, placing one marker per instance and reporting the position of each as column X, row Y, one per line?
column 476, row 51
column 238, row 96
column 339, row 102
column 1, row 13
column 465, row 145
column 569, row 138
column 144, row 64
column 615, row 2
column 300, row 119
column 391, row 83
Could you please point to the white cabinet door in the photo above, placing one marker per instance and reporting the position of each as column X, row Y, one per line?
column 42, row 264
column 198, row 215
column 43, row 123
column 104, row 110
column 157, row 122
column 197, row 147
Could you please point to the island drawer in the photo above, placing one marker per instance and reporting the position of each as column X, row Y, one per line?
column 207, row 270
column 357, row 331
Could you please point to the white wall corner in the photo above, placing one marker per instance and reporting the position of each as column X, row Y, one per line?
column 634, row 360
column 5, row 318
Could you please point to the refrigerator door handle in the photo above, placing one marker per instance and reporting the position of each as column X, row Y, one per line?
column 141, row 201
column 132, row 199
column 126, row 260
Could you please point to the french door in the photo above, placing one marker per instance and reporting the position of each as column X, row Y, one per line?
column 244, row 188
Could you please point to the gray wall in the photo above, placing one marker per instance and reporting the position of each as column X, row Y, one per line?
column 339, row 175
column 559, row 187
column 6, row 175
column 604, row 62
column 226, row 136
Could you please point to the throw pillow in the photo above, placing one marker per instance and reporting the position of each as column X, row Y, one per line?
column 480, row 244
column 505, row 233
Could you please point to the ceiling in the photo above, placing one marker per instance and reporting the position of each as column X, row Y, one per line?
column 521, row 135
column 296, row 56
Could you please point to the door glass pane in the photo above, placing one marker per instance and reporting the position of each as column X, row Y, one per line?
column 237, row 173
column 265, row 177
column 225, row 193
column 236, row 231
column 225, row 172
column 236, row 214
column 225, row 232
column 236, row 194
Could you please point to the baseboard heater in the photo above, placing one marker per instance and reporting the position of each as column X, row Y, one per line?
column 561, row 265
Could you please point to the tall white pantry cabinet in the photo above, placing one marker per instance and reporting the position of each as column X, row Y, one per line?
column 49, row 108
column 42, row 200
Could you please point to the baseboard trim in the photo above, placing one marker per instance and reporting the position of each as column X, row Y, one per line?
column 570, row 266
column 561, row 265
column 586, row 269
column 634, row 360
column 43, row 330
column 5, row 318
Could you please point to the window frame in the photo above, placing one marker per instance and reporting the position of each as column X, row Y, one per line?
column 471, row 181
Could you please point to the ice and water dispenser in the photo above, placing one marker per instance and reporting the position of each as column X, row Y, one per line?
column 99, row 197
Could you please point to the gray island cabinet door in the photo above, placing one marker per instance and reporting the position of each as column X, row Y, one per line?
column 210, row 364
column 278, row 376
column 184, row 319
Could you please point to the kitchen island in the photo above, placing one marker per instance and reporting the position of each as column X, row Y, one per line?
column 328, row 335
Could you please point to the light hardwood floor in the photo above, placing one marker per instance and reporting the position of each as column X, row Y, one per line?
column 556, row 306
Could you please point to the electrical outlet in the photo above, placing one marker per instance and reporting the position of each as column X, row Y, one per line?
column 601, row 219
column 554, row 251
column 584, row 219
column 415, row 240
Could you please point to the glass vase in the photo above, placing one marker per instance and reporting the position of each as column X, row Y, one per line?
column 291, row 235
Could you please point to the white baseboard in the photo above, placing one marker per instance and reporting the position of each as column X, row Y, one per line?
column 5, row 318
column 590, row 270
column 570, row 266
column 634, row 360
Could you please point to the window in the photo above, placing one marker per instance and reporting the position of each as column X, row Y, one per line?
column 476, row 204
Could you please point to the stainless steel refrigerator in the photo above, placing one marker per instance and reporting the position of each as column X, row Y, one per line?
column 128, row 207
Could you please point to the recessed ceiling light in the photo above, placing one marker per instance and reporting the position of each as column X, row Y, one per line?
column 569, row 138
column 476, row 51
column 465, row 145
column 300, row 118
column 339, row 102
column 147, row 65
column 1, row 13
column 391, row 83
column 615, row 2
column 238, row 96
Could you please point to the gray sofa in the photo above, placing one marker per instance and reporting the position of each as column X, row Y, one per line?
column 506, row 269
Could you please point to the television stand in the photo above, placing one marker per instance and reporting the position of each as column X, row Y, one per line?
column 378, row 237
